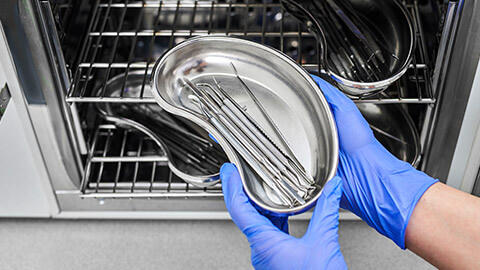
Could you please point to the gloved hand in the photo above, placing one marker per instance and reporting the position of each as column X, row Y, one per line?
column 377, row 187
column 280, row 222
column 274, row 249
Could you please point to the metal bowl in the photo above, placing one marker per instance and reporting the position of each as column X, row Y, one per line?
column 393, row 27
column 394, row 129
column 286, row 91
column 148, row 119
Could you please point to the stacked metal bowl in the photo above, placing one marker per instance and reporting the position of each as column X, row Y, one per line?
column 366, row 44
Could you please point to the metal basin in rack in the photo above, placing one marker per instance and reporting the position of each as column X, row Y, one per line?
column 180, row 140
column 390, row 28
column 394, row 129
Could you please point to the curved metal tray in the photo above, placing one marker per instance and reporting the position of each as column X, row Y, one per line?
column 394, row 129
column 392, row 27
column 152, row 120
column 286, row 91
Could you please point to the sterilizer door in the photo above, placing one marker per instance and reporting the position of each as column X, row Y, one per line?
column 25, row 190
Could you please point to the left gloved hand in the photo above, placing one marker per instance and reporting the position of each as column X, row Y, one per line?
column 280, row 222
column 273, row 248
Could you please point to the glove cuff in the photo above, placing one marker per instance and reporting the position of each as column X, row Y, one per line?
column 401, row 187
column 420, row 183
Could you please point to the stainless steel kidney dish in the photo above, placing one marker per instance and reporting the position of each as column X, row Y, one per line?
column 192, row 156
column 394, row 129
column 366, row 45
column 300, row 125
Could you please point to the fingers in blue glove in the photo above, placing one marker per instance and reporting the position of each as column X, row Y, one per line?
column 334, row 97
column 353, row 130
column 226, row 172
column 241, row 210
column 326, row 211
column 274, row 249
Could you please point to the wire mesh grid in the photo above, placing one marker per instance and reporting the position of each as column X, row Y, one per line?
column 126, row 163
column 126, row 37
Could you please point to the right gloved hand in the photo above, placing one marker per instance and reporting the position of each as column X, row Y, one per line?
column 377, row 187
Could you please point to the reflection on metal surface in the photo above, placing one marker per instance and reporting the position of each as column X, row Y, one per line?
column 4, row 99
column 367, row 45
column 394, row 129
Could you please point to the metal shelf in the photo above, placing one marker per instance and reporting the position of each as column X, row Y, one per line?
column 114, row 46
column 124, row 163
column 127, row 37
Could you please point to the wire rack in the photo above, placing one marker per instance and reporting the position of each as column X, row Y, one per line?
column 127, row 36
column 123, row 163
column 122, row 37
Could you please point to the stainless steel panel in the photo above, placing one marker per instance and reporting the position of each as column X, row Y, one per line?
column 476, row 187
column 74, row 202
column 40, row 82
column 453, row 88
column 25, row 189
column 466, row 159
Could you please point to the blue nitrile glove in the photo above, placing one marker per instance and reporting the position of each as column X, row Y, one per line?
column 280, row 222
column 274, row 249
column 377, row 187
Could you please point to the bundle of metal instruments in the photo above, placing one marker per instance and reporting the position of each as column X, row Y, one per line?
column 355, row 50
column 282, row 173
column 191, row 152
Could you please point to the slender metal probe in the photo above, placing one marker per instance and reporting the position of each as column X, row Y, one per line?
column 223, row 124
column 267, row 117
column 259, row 137
column 288, row 160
